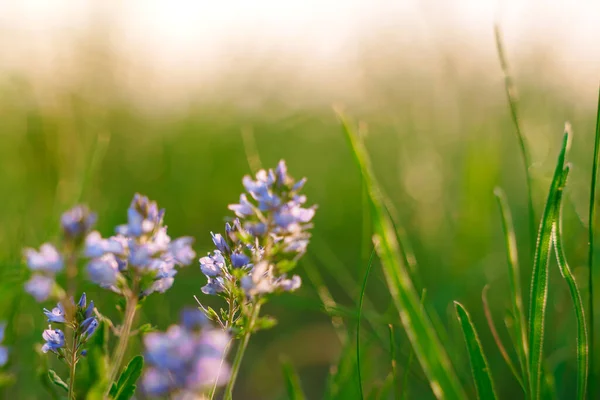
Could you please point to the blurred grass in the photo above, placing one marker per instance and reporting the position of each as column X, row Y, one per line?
column 439, row 146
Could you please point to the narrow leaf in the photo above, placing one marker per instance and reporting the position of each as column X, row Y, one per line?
column 591, row 225
column 124, row 388
column 515, row 283
column 427, row 346
column 359, row 315
column 54, row 378
column 292, row 381
column 499, row 344
column 539, row 281
column 582, row 340
column 479, row 366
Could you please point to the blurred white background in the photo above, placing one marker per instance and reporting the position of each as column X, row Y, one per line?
column 167, row 51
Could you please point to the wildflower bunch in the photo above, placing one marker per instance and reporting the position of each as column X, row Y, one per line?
column 260, row 247
column 141, row 258
column 79, row 318
column 187, row 360
column 47, row 262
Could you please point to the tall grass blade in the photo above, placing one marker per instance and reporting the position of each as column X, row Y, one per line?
column 292, row 381
column 427, row 346
column 492, row 326
column 479, row 366
column 539, row 281
column 591, row 224
column 565, row 271
column 514, row 275
column 511, row 95
column 360, row 305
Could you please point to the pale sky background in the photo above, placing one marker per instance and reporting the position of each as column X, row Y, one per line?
column 175, row 46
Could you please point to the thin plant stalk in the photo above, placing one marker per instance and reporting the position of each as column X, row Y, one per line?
column 72, row 367
column 239, row 355
column 592, row 219
column 511, row 95
column 124, row 333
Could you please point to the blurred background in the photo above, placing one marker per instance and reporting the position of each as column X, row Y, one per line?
column 178, row 100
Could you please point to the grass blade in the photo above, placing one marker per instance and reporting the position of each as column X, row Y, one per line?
column 511, row 95
column 565, row 271
column 592, row 220
column 479, row 366
column 492, row 326
column 360, row 304
column 515, row 282
column 292, row 381
column 539, row 281
column 427, row 346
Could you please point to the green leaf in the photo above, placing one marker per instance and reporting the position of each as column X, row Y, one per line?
column 539, row 281
column 124, row 388
column 479, row 366
column 582, row 339
column 359, row 315
column 515, row 283
column 292, row 381
column 266, row 322
column 591, row 225
column 54, row 378
column 419, row 328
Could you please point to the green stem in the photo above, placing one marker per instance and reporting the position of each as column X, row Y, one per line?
column 591, row 222
column 239, row 355
column 73, row 366
column 117, row 359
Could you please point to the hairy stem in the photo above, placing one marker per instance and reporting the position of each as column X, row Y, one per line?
column 117, row 358
column 239, row 355
column 72, row 367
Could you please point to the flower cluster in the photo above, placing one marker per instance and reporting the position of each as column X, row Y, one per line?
column 141, row 256
column 187, row 359
column 78, row 317
column 46, row 262
column 3, row 349
column 269, row 236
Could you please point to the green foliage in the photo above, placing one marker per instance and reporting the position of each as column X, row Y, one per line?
column 539, row 282
column 292, row 381
column 55, row 379
column 479, row 365
column 582, row 336
column 125, row 387
column 428, row 349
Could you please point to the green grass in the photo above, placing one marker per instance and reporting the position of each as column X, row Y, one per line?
column 437, row 163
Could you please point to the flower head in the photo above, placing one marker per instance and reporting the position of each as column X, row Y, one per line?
column 47, row 259
column 185, row 358
column 55, row 340
column 141, row 251
column 40, row 287
column 271, row 234
column 77, row 222
column 57, row 314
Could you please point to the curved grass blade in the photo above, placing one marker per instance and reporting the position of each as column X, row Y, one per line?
column 565, row 271
column 479, row 366
column 539, row 280
column 360, row 304
column 492, row 326
column 292, row 381
column 511, row 96
column 515, row 282
column 427, row 346
column 591, row 224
